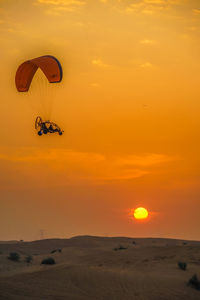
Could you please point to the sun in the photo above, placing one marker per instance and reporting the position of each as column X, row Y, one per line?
column 140, row 213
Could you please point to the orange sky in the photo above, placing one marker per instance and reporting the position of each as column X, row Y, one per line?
column 129, row 105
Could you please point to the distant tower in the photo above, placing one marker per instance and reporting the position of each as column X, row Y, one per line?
column 42, row 234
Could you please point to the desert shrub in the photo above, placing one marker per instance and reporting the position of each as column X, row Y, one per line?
column 160, row 257
column 53, row 251
column 28, row 259
column 14, row 256
column 194, row 282
column 56, row 250
column 48, row 261
column 120, row 248
column 182, row 265
column 1, row 252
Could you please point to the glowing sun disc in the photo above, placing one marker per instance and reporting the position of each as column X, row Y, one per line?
column 140, row 213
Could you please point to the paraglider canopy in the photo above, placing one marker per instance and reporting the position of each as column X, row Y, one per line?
column 50, row 66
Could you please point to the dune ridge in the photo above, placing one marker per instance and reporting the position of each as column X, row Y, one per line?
column 89, row 267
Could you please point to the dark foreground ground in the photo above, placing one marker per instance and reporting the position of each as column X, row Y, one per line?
column 95, row 268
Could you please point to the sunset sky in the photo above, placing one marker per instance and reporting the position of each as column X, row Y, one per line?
column 129, row 104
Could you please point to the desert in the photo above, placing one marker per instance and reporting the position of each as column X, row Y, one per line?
column 88, row 267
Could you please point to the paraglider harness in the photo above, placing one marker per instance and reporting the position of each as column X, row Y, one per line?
column 46, row 127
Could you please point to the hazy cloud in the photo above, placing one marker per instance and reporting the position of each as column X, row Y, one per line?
column 99, row 63
column 148, row 42
column 62, row 2
column 196, row 11
column 57, row 7
column 144, row 160
column 65, row 167
column 146, row 65
column 148, row 7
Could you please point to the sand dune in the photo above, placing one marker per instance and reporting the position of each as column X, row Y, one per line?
column 95, row 268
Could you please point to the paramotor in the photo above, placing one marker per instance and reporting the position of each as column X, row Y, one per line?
column 44, row 127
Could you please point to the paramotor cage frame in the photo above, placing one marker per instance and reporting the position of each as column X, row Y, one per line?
column 46, row 127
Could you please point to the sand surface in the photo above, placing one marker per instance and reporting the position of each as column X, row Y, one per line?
column 90, row 268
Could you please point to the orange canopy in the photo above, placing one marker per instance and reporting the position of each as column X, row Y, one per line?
column 50, row 66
